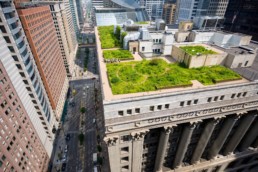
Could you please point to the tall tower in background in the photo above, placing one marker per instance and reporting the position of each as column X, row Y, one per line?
column 75, row 18
column 241, row 16
column 188, row 9
column 168, row 14
column 80, row 12
column 153, row 7
column 27, row 119
column 40, row 32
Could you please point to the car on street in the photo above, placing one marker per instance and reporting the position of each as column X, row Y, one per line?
column 63, row 166
column 66, row 149
column 68, row 136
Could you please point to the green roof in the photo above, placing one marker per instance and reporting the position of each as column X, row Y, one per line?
column 117, row 54
column 151, row 75
column 195, row 50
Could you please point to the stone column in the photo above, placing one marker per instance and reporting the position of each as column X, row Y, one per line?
column 250, row 137
column 163, row 141
column 113, row 153
column 220, row 140
column 222, row 167
column 239, row 134
column 183, row 144
column 203, row 141
column 137, row 150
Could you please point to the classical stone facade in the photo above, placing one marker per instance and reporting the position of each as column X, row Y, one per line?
column 195, row 129
column 199, row 130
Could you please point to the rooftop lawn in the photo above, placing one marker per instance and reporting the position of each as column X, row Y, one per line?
column 142, row 22
column 151, row 75
column 117, row 54
column 107, row 37
column 194, row 50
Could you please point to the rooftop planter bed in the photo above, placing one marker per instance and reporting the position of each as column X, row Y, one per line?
column 197, row 50
column 142, row 22
column 107, row 37
column 117, row 54
column 151, row 75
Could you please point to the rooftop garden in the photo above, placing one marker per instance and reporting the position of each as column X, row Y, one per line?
column 197, row 50
column 108, row 38
column 142, row 22
column 151, row 75
column 117, row 54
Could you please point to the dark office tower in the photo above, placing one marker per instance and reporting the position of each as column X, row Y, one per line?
column 242, row 16
column 79, row 11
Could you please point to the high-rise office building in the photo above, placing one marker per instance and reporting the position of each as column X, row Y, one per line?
column 97, row 3
column 188, row 9
column 40, row 32
column 62, row 17
column 69, row 28
column 75, row 17
column 168, row 14
column 153, row 7
column 27, row 120
column 80, row 12
column 182, row 128
column 241, row 16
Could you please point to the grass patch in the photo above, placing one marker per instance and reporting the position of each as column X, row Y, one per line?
column 142, row 22
column 107, row 37
column 195, row 50
column 117, row 54
column 151, row 75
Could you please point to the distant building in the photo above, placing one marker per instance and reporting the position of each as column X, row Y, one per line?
column 241, row 16
column 40, row 31
column 75, row 18
column 188, row 9
column 97, row 3
column 117, row 12
column 153, row 7
column 168, row 14
column 80, row 12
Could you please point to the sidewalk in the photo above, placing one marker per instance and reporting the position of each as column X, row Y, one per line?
column 61, row 143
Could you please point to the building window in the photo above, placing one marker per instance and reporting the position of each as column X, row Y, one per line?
column 121, row 113
column 209, row 99
column 124, row 159
column 159, row 107
column 246, row 63
column 125, row 168
column 151, row 108
column 124, row 150
column 216, row 98
column 129, row 111
column 3, row 157
column 125, row 138
column 222, row 97
column 182, row 103
column 166, row 106
column 239, row 94
column 189, row 102
column 195, row 101
column 137, row 110
column 143, row 48
column 244, row 94
column 233, row 96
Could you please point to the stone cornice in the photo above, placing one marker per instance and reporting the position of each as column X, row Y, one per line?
column 195, row 116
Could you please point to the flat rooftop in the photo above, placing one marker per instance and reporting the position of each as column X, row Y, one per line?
column 126, row 72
